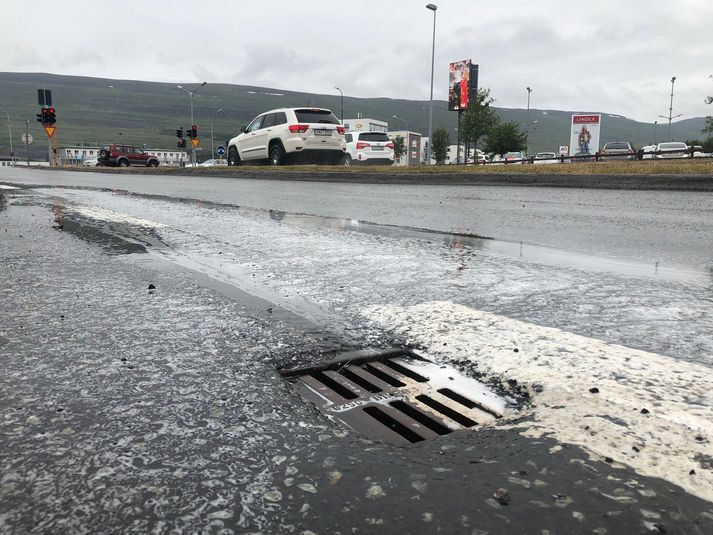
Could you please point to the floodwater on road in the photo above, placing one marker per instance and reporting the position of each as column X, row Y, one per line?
column 661, row 229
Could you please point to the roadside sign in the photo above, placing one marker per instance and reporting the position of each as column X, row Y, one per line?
column 220, row 150
column 50, row 130
column 27, row 139
column 195, row 142
column 564, row 150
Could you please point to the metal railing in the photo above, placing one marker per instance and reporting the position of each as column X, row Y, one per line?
column 640, row 155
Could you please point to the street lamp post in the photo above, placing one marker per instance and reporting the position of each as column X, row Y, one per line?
column 432, row 7
column 190, row 94
column 670, row 111
column 12, row 155
column 212, row 148
column 400, row 119
column 342, row 97
column 655, row 123
column 527, row 122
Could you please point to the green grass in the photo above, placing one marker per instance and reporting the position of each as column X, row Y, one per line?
column 667, row 167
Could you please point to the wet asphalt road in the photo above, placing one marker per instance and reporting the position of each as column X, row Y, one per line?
column 161, row 411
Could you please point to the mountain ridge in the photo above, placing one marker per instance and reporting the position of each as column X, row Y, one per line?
column 93, row 110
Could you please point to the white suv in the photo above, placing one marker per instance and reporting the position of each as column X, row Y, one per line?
column 290, row 135
column 369, row 148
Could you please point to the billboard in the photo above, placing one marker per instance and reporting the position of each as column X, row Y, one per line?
column 584, row 134
column 459, row 85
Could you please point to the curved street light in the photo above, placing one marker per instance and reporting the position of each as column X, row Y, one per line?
column 212, row 148
column 527, row 122
column 400, row 119
column 190, row 94
column 342, row 97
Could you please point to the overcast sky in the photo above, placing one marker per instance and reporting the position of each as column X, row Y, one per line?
column 602, row 55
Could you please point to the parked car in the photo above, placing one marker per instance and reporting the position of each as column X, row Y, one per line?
column 647, row 152
column 672, row 149
column 91, row 162
column 515, row 157
column 546, row 157
column 290, row 135
column 697, row 152
column 213, row 163
column 374, row 148
column 617, row 150
column 125, row 155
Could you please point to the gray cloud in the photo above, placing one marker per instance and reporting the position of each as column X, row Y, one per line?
column 614, row 56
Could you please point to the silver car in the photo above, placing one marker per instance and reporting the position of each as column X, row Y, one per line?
column 617, row 150
column 672, row 149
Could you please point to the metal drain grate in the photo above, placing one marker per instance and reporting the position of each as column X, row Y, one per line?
column 396, row 395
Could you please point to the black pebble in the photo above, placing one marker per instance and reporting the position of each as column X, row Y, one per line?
column 692, row 472
column 516, row 350
column 502, row 496
column 608, row 459
column 270, row 310
column 59, row 409
column 594, row 390
column 637, row 450
column 152, row 287
column 644, row 411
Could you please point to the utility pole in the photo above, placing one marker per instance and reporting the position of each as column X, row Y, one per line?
column 27, row 141
column 527, row 123
column 190, row 94
column 431, row 7
column 341, row 117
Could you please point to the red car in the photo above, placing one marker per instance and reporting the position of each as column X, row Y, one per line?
column 126, row 155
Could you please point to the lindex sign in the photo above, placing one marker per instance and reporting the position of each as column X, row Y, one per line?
column 195, row 142
column 50, row 130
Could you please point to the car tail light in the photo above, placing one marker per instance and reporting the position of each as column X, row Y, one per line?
column 298, row 128
column 340, row 130
column 389, row 145
column 362, row 145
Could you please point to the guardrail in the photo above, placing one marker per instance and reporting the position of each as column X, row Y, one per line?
column 597, row 156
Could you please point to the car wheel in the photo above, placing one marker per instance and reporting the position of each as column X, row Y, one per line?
column 153, row 163
column 277, row 154
column 123, row 163
column 233, row 157
column 104, row 154
column 347, row 160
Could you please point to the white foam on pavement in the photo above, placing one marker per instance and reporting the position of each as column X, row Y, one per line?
column 112, row 216
column 675, row 437
column 3, row 186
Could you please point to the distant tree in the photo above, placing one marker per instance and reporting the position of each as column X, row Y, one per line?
column 399, row 147
column 505, row 137
column 440, row 145
column 480, row 118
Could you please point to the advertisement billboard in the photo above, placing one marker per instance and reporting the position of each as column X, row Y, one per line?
column 459, row 85
column 584, row 134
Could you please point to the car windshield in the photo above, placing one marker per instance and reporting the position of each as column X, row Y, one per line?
column 676, row 145
column 316, row 116
column 373, row 136
column 545, row 155
column 610, row 146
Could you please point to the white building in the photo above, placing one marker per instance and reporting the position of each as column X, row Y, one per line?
column 365, row 125
column 413, row 143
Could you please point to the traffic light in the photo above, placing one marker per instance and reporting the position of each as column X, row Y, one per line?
column 41, row 116
column 179, row 133
column 194, row 132
column 51, row 117
column 181, row 143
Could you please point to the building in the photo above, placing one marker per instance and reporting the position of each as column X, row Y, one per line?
column 365, row 125
column 19, row 162
column 412, row 140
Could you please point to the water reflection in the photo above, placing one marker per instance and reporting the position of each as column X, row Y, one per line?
column 3, row 201
column 58, row 211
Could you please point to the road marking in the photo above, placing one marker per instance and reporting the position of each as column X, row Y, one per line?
column 667, row 441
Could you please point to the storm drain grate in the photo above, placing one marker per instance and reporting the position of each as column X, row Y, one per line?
column 397, row 395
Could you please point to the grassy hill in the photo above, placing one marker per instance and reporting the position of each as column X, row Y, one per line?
column 100, row 110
